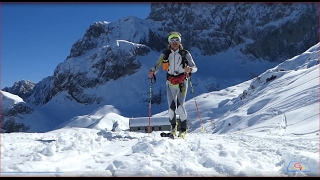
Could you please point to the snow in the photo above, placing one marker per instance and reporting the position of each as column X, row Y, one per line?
column 88, row 152
column 9, row 100
column 255, row 128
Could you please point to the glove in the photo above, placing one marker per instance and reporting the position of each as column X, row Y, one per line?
column 151, row 74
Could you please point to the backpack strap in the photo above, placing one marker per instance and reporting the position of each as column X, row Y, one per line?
column 166, row 54
column 184, row 60
column 183, row 53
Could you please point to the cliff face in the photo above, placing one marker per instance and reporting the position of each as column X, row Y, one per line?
column 267, row 31
column 21, row 88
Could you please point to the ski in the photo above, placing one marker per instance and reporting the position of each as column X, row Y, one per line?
column 170, row 135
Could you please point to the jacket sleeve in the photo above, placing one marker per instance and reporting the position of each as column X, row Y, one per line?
column 191, row 63
column 156, row 68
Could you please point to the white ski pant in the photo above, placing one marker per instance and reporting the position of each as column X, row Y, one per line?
column 176, row 96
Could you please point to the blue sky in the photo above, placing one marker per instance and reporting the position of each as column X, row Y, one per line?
column 36, row 37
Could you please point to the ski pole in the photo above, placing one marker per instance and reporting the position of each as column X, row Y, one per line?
column 202, row 129
column 154, row 77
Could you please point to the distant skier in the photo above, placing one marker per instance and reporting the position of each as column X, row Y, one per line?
column 179, row 65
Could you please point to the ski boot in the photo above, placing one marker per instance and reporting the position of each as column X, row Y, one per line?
column 183, row 134
column 183, row 129
column 174, row 125
column 174, row 129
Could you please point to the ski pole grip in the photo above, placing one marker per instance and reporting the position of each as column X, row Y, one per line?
column 189, row 75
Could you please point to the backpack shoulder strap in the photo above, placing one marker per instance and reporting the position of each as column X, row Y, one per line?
column 183, row 53
column 166, row 54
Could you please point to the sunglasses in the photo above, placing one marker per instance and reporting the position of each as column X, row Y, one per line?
column 174, row 40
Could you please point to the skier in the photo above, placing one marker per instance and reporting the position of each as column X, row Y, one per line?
column 179, row 65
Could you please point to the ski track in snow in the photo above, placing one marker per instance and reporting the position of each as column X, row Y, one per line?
column 141, row 154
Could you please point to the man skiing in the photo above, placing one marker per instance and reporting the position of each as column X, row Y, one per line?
column 179, row 65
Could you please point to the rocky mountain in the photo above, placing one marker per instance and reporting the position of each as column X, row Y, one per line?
column 109, row 64
column 13, row 107
column 23, row 88
column 267, row 31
